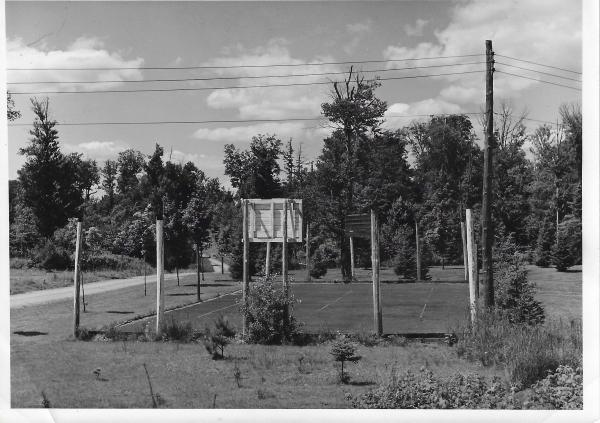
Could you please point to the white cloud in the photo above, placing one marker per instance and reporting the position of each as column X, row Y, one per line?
column 415, row 30
column 84, row 52
column 283, row 130
column 401, row 114
column 178, row 156
column 358, row 31
column 98, row 150
column 273, row 102
column 547, row 32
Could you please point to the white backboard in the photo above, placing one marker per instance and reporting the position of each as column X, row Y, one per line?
column 265, row 220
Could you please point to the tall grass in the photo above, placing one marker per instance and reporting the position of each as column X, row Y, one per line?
column 526, row 352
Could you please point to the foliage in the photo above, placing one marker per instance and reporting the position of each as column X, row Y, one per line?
column 567, row 250
column 343, row 350
column 526, row 352
column 562, row 389
column 217, row 338
column 177, row 331
column 50, row 257
column 23, row 232
column 11, row 112
column 545, row 242
column 269, row 313
column 425, row 390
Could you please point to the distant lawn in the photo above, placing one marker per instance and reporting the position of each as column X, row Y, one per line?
column 34, row 279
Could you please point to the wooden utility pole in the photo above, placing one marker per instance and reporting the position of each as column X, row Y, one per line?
column 418, row 250
column 463, row 234
column 352, row 257
column 487, row 231
column 284, row 272
column 245, row 275
column 307, row 253
column 197, row 273
column 144, row 272
column 160, row 278
column 268, row 260
column 76, row 280
column 378, row 324
column 472, row 267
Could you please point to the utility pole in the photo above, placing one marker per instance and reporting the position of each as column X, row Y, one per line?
column 245, row 275
column 378, row 325
column 418, row 251
column 307, row 253
column 487, row 231
column 160, row 278
column 76, row 280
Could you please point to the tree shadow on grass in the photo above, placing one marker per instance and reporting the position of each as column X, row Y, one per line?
column 181, row 294
column 208, row 285
column 361, row 383
column 119, row 312
column 29, row 333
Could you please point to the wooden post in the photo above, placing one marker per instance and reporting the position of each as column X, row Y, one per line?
column 375, row 266
column 307, row 253
column 76, row 280
column 197, row 273
column 463, row 234
column 160, row 278
column 472, row 267
column 268, row 260
column 82, row 290
column 352, row 257
column 144, row 273
column 222, row 265
column 245, row 277
column 487, row 231
column 284, row 273
column 418, row 251
column 202, row 264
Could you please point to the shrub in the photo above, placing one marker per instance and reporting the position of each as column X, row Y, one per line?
column 19, row 263
column 50, row 257
column 424, row 390
column 109, row 261
column 526, row 352
column 561, row 389
column 342, row 351
column 545, row 241
column 216, row 339
column 567, row 251
column 269, row 314
column 318, row 269
column 176, row 331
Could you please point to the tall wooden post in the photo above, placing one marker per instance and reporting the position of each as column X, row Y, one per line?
column 197, row 273
column 268, row 260
column 144, row 273
column 472, row 267
column 378, row 324
column 307, row 253
column 352, row 257
column 160, row 278
column 284, row 270
column 245, row 275
column 418, row 250
column 463, row 234
column 76, row 280
column 487, row 231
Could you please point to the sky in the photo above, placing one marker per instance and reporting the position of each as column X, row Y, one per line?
column 223, row 35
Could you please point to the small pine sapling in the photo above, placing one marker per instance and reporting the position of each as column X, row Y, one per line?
column 216, row 339
column 343, row 351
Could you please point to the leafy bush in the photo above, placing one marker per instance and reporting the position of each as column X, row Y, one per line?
column 545, row 242
column 109, row 261
column 176, row 331
column 19, row 263
column 526, row 352
column 561, row 390
column 342, row 351
column 216, row 339
column 50, row 257
column 424, row 390
column 318, row 269
column 269, row 313
column 567, row 251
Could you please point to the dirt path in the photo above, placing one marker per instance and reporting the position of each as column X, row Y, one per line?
column 58, row 294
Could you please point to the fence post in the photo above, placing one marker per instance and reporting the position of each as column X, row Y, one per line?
column 352, row 257
column 375, row 266
column 418, row 251
column 245, row 277
column 463, row 234
column 472, row 265
column 268, row 260
column 76, row 280
column 307, row 252
column 160, row 278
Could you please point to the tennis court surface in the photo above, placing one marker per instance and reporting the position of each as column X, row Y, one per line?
column 408, row 308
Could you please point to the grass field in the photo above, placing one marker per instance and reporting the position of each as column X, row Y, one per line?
column 43, row 358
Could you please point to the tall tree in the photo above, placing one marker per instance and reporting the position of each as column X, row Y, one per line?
column 129, row 163
column 109, row 181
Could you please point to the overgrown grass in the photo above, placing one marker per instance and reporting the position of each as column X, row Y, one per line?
column 525, row 352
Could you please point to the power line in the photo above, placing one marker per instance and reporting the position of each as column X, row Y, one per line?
column 232, row 88
column 185, row 122
column 247, row 66
column 239, row 77
column 537, row 71
column 539, row 64
column 539, row 80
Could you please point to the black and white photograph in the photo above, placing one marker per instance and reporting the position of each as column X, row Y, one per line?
column 300, row 211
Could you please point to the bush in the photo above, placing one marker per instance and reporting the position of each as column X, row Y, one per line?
column 545, row 242
column 526, row 352
column 561, row 390
column 19, row 263
column 176, row 331
column 567, row 251
column 318, row 269
column 269, row 314
column 109, row 261
column 50, row 257
column 216, row 339
column 424, row 390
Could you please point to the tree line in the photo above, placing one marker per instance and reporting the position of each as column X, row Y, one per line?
column 427, row 172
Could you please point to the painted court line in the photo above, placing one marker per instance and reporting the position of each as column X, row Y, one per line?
column 426, row 301
column 327, row 305
column 214, row 311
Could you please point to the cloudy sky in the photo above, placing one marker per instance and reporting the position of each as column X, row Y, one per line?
column 218, row 39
